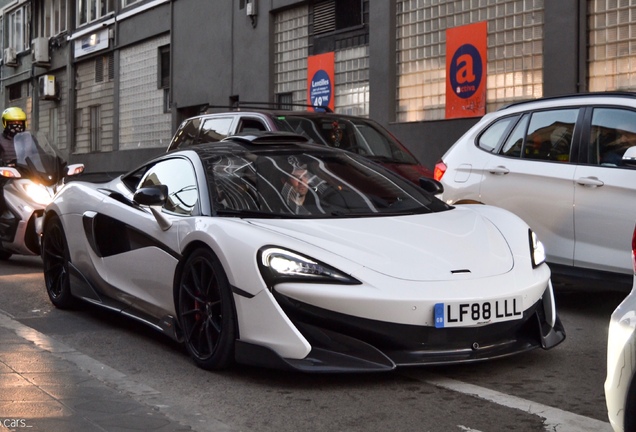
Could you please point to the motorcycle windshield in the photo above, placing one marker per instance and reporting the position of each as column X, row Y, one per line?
column 37, row 159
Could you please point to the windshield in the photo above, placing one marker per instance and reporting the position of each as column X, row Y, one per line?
column 37, row 159
column 301, row 183
column 358, row 135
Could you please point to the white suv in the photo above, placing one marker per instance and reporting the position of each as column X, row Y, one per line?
column 567, row 165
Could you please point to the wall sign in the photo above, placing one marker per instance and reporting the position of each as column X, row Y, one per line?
column 91, row 42
column 320, row 80
column 466, row 62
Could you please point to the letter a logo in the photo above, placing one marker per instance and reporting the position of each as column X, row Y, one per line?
column 465, row 73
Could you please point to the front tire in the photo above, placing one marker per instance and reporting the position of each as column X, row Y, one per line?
column 206, row 311
column 56, row 259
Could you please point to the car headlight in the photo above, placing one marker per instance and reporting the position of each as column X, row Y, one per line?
column 537, row 251
column 38, row 193
column 280, row 265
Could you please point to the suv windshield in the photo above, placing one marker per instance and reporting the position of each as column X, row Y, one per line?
column 353, row 134
column 312, row 183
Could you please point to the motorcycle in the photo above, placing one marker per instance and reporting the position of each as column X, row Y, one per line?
column 29, row 183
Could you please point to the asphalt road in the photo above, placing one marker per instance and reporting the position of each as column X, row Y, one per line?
column 557, row 390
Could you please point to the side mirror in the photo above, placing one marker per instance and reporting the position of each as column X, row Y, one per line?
column 154, row 197
column 151, row 195
column 9, row 172
column 431, row 185
column 629, row 157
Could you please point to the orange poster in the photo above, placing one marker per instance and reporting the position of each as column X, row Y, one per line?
column 320, row 80
column 466, row 67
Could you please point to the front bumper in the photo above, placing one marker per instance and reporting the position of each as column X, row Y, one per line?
column 342, row 343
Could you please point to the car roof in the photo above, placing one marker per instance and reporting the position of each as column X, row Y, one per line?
column 247, row 110
column 574, row 99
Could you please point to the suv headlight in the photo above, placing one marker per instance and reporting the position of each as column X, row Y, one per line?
column 537, row 251
column 280, row 265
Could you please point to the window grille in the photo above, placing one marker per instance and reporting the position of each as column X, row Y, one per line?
column 105, row 64
column 325, row 17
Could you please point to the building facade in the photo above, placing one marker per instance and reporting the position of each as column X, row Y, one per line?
column 110, row 80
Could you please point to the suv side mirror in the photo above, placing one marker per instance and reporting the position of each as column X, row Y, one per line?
column 629, row 157
column 432, row 186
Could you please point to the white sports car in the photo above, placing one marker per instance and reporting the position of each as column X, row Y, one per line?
column 271, row 251
column 620, row 382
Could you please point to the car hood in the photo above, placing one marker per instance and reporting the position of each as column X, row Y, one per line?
column 448, row 245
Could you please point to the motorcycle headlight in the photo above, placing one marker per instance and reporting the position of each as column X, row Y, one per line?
column 537, row 251
column 281, row 265
column 38, row 193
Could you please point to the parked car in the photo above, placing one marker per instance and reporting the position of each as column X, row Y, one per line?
column 566, row 165
column 357, row 134
column 620, row 384
column 270, row 250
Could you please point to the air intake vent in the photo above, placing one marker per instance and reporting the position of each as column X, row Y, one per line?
column 325, row 17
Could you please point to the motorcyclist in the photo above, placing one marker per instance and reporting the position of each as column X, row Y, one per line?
column 13, row 122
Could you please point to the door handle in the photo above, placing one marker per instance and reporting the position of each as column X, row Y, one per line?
column 590, row 182
column 499, row 170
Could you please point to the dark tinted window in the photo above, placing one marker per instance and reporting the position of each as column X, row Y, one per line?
column 248, row 124
column 550, row 134
column 357, row 135
column 186, row 134
column 514, row 143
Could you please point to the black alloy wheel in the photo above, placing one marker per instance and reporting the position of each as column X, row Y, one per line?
column 55, row 257
column 206, row 311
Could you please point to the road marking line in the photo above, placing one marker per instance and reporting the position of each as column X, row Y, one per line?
column 555, row 419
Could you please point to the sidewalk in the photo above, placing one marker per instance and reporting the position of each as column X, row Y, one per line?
column 47, row 386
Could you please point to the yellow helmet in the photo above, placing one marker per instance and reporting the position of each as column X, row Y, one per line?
column 13, row 114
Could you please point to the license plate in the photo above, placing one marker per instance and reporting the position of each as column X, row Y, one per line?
column 466, row 314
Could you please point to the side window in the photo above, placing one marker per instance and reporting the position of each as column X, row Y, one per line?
column 612, row 132
column 251, row 125
column 178, row 175
column 514, row 143
column 186, row 134
column 215, row 129
column 490, row 139
column 550, row 135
